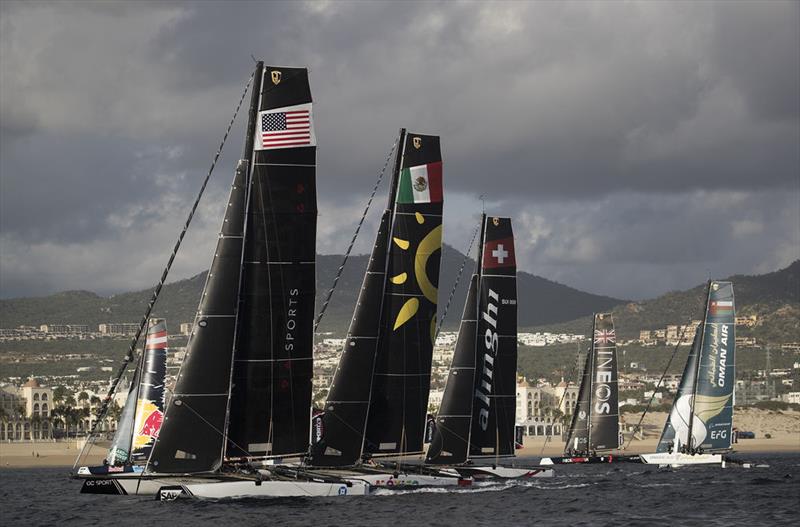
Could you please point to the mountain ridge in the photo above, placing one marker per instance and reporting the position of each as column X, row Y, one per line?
column 178, row 301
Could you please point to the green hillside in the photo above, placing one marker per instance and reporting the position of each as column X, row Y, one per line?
column 773, row 297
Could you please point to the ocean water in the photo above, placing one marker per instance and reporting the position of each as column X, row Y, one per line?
column 624, row 494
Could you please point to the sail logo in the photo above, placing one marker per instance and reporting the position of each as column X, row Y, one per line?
column 603, row 377
column 291, row 320
column 491, row 342
column 718, row 355
column 148, row 423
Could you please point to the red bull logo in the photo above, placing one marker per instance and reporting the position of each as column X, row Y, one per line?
column 148, row 423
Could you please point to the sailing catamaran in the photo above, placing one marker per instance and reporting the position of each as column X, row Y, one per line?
column 474, row 428
column 143, row 412
column 595, row 419
column 242, row 399
column 376, row 406
column 699, row 429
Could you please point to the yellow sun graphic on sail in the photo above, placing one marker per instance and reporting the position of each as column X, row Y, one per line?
column 429, row 244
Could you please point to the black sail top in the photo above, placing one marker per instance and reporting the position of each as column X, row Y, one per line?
column 402, row 372
column 494, row 395
column 273, row 365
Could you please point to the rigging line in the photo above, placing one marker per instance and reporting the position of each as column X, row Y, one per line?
column 658, row 385
column 455, row 284
column 129, row 357
column 355, row 235
column 561, row 401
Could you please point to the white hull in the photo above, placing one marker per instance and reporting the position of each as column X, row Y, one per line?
column 678, row 459
column 274, row 489
column 448, row 477
column 169, row 488
column 404, row 479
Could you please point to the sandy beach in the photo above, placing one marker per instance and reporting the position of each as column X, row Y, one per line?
column 783, row 427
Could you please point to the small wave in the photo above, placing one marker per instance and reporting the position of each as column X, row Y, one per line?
column 438, row 490
column 557, row 487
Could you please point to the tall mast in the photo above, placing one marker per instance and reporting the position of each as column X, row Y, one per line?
column 391, row 205
column 590, row 365
column 696, row 375
column 245, row 164
column 398, row 161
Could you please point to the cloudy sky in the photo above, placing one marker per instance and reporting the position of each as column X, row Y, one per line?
column 639, row 146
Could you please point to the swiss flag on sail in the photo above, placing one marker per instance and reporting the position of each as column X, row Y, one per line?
column 499, row 253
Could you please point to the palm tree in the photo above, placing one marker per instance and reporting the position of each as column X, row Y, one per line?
column 59, row 393
column 83, row 397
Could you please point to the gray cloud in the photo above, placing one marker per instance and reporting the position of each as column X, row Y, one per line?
column 638, row 142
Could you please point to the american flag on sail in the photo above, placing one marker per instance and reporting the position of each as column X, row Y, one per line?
column 287, row 127
column 604, row 336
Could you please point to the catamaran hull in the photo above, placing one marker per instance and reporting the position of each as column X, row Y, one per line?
column 449, row 477
column 262, row 489
column 678, row 459
column 582, row 460
column 409, row 479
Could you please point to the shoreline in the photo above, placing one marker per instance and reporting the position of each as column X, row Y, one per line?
column 23, row 454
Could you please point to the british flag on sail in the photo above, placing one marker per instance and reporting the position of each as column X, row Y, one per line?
column 287, row 127
column 604, row 336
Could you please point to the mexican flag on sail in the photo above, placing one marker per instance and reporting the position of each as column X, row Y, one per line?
column 421, row 184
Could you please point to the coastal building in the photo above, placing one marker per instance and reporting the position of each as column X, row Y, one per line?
column 536, row 408
column 64, row 329
column 38, row 400
column 749, row 321
column 122, row 328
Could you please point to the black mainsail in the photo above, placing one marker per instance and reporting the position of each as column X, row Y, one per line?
column 702, row 413
column 495, row 382
column 378, row 398
column 595, row 420
column 273, row 364
column 244, row 387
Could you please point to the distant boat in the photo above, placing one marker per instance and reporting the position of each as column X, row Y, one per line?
column 594, row 428
column 241, row 405
column 143, row 413
column 474, row 429
column 699, row 429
